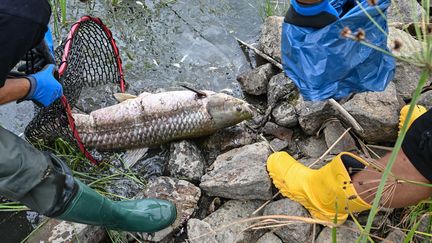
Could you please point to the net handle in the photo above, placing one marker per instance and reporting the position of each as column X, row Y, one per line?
column 64, row 65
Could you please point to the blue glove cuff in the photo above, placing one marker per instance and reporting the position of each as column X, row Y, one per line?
column 32, row 90
column 314, row 9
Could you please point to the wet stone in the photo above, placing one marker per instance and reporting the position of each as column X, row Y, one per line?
column 270, row 40
column 377, row 113
column 280, row 132
column 297, row 232
column 278, row 144
column 186, row 161
column 200, row 231
column 240, row 174
column 182, row 193
column 234, row 211
column 285, row 115
column 255, row 81
column 332, row 132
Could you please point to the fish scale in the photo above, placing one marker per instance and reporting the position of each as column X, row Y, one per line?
column 153, row 119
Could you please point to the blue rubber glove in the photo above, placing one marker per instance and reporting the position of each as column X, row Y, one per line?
column 44, row 87
column 49, row 41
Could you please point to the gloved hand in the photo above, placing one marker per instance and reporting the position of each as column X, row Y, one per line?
column 44, row 87
column 38, row 57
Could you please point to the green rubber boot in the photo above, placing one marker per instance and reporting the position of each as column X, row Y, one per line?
column 145, row 215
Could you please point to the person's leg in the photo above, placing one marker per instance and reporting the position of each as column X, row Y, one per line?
column 45, row 184
column 349, row 184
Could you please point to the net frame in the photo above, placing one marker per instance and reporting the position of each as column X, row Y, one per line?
column 61, row 110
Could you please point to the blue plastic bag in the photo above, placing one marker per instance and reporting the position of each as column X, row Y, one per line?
column 324, row 65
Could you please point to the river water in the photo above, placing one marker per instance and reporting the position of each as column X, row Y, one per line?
column 164, row 44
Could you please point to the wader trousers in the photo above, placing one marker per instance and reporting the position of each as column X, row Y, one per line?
column 38, row 180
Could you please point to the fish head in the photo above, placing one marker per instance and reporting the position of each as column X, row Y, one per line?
column 227, row 110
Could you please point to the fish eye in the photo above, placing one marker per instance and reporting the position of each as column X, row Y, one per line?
column 239, row 109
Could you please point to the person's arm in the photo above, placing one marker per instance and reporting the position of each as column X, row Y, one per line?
column 14, row 89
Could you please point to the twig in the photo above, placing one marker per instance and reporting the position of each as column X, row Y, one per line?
column 380, row 147
column 265, row 204
column 261, row 54
column 268, row 143
column 347, row 116
column 330, row 148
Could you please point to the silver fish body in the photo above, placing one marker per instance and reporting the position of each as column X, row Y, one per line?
column 154, row 119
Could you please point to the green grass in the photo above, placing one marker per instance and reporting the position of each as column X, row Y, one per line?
column 268, row 8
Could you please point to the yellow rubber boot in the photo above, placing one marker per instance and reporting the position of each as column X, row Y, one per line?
column 319, row 191
column 418, row 111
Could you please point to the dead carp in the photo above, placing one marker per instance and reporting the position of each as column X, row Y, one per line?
column 153, row 119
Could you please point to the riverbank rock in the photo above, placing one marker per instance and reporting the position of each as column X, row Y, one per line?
column 406, row 11
column 426, row 99
column 255, row 81
column 226, row 221
column 182, row 193
column 311, row 115
column 62, row 231
column 280, row 87
column 186, row 161
column 377, row 113
column 285, row 115
column 199, row 231
column 269, row 238
column 346, row 234
column 280, row 132
column 297, row 232
column 332, row 131
column 395, row 236
column 313, row 147
column 240, row 174
column 270, row 41
column 406, row 75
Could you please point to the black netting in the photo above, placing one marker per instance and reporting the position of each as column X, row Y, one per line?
column 91, row 60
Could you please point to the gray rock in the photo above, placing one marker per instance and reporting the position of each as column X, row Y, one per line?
column 285, row 115
column 62, row 231
column 186, row 161
column 377, row 113
column 182, row 193
column 269, row 238
column 297, row 232
column 406, row 75
column 313, row 147
column 231, row 212
column 270, row 41
column 395, row 236
column 229, row 138
column 314, row 163
column 200, row 231
column 255, row 81
column 406, row 11
column 240, row 174
column 279, row 87
column 343, row 234
column 426, row 99
column 311, row 115
column 273, row 129
column 332, row 132
column 278, row 145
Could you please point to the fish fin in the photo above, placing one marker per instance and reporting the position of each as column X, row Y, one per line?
column 200, row 94
column 131, row 157
column 120, row 97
